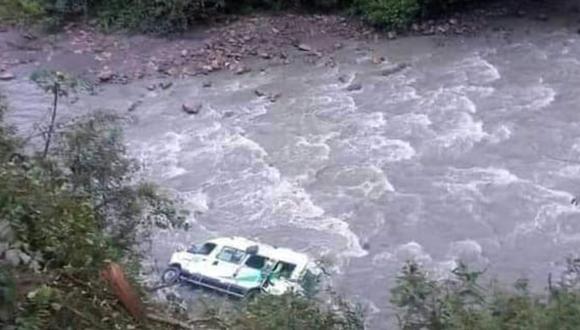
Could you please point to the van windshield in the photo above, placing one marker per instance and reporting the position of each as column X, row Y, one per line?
column 204, row 249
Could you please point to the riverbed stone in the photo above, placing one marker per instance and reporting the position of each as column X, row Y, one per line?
column 192, row 109
column 7, row 76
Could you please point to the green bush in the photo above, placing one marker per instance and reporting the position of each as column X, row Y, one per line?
column 463, row 303
column 20, row 11
column 294, row 312
column 395, row 14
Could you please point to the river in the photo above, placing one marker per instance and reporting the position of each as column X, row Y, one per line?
column 471, row 152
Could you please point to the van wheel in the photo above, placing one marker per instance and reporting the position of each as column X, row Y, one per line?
column 251, row 295
column 171, row 275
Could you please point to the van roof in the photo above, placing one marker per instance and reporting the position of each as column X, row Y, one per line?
column 266, row 250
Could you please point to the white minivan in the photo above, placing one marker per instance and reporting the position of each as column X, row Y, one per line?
column 241, row 267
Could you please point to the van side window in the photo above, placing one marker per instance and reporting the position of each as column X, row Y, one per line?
column 204, row 249
column 255, row 261
column 232, row 255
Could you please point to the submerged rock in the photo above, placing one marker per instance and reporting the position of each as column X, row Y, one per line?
column 355, row 86
column 166, row 85
column 192, row 109
column 105, row 75
column 394, row 69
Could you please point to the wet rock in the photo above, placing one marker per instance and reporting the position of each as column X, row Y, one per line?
column 165, row 85
column 243, row 70
column 206, row 84
column 134, row 105
column 229, row 114
column 274, row 97
column 304, row 47
column 7, row 76
column 152, row 87
column 192, row 109
column 355, row 86
column 259, row 93
column 265, row 56
column 377, row 59
column 394, row 69
column 366, row 246
column 343, row 79
column 105, row 75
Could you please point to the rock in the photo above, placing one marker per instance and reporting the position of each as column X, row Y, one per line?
column 206, row 84
column 356, row 86
column 184, row 53
column 376, row 59
column 274, row 97
column 243, row 70
column 105, row 75
column 521, row 13
column 415, row 27
column 192, row 109
column 229, row 114
column 152, row 87
column 338, row 45
column 366, row 246
column 12, row 257
column 304, row 47
column 259, row 93
column 207, row 68
column 134, row 105
column 391, row 35
column 165, row 85
column 265, row 56
column 7, row 76
column 542, row 17
column 453, row 21
column 394, row 69
column 343, row 79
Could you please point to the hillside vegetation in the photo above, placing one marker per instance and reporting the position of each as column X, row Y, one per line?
column 163, row 16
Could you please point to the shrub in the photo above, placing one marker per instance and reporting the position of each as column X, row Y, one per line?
column 461, row 302
column 396, row 14
column 293, row 312
column 20, row 11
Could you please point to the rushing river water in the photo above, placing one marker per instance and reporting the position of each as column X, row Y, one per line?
column 471, row 152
